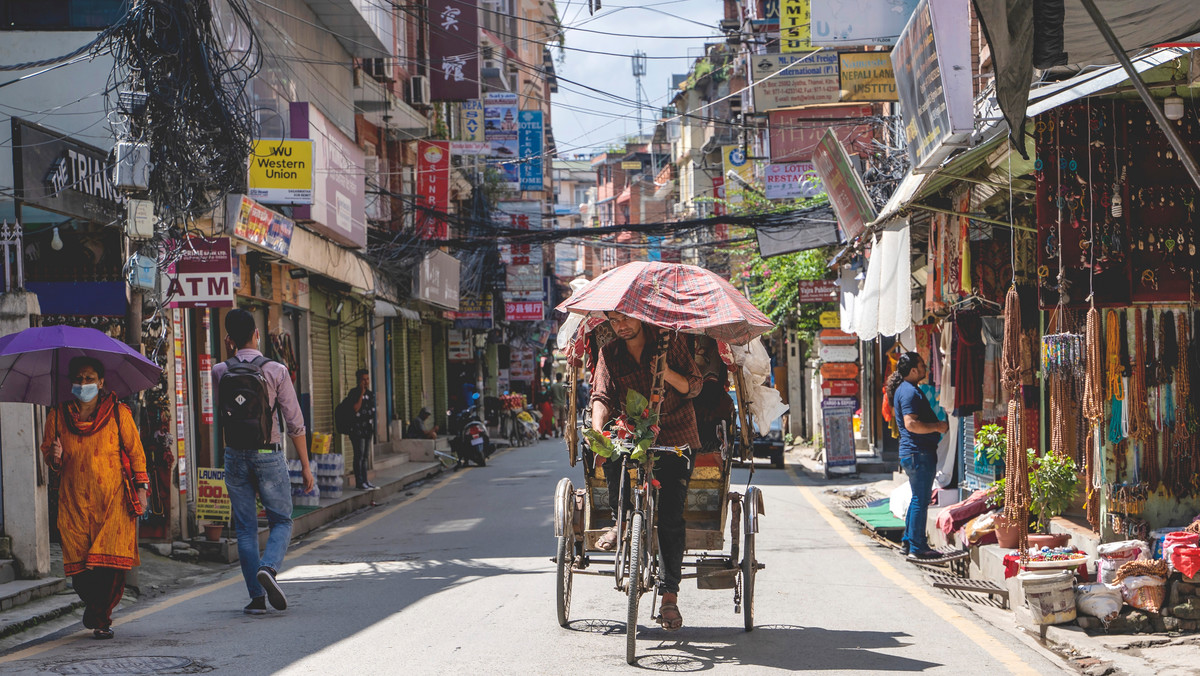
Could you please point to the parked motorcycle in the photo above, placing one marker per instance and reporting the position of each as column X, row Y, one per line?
column 470, row 442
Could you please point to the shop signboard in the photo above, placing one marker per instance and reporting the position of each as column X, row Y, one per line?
column 523, row 261
column 472, row 121
column 795, row 133
column 458, row 346
column 789, row 80
column 768, row 13
column 475, row 148
column 859, row 23
column 281, row 171
column 474, row 312
column 932, row 63
column 524, row 310
column 847, row 194
column 839, row 388
column 252, row 222
column 837, row 337
column 791, row 180
column 203, row 275
column 839, row 371
column 837, row 421
column 212, row 502
column 530, row 137
column 631, row 165
column 733, row 159
column 793, row 26
column 838, row 353
column 817, row 291
column 830, row 320
column 453, row 50
column 433, row 188
column 522, row 364
column 59, row 174
column 502, row 130
column 438, row 280
column 719, row 207
column 338, row 210
column 867, row 76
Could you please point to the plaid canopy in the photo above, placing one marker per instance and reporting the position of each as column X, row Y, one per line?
column 673, row 296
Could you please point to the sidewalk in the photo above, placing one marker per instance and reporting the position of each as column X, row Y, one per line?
column 52, row 604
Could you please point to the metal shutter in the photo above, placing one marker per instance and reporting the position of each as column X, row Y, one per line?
column 441, row 399
column 400, row 394
column 415, row 372
column 350, row 354
column 322, row 376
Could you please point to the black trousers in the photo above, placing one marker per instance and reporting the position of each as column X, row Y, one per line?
column 673, row 474
column 101, row 590
column 362, row 447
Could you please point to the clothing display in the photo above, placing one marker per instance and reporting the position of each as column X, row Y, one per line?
column 968, row 363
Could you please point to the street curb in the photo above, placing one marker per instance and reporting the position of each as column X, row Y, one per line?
column 13, row 628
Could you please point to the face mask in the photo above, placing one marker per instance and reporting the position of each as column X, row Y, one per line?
column 85, row 393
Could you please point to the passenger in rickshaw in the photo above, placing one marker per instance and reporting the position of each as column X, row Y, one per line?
column 624, row 365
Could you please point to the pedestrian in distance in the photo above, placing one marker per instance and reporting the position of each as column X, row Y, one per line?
column 920, row 432
column 253, row 395
column 422, row 426
column 624, row 365
column 558, row 399
column 93, row 449
column 362, row 431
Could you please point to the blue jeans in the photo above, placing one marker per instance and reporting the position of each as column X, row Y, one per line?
column 920, row 469
column 263, row 474
column 362, row 452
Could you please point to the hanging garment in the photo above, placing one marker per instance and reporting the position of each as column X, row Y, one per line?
column 994, row 399
column 968, row 363
column 946, row 388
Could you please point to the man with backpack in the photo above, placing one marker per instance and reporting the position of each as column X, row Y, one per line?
column 253, row 395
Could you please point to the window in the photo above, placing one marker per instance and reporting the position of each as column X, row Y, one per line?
column 59, row 14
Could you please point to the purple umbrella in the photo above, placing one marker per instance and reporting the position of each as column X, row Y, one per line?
column 33, row 364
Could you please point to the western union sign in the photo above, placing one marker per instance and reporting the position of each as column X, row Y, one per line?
column 281, row 171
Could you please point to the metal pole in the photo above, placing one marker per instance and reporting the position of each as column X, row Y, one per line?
column 1185, row 156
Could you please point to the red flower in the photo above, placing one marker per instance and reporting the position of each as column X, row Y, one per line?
column 607, row 434
column 654, row 429
column 646, row 413
column 655, row 483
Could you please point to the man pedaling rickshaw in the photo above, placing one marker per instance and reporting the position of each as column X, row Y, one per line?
column 625, row 365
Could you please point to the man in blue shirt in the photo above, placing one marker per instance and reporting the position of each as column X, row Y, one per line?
column 920, row 432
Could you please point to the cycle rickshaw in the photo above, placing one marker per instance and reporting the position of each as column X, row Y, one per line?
column 581, row 514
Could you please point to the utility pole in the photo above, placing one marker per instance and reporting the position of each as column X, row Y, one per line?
column 639, row 71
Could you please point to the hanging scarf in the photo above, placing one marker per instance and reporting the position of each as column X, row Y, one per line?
column 69, row 413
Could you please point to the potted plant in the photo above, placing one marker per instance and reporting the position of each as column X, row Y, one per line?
column 212, row 531
column 1006, row 531
column 1053, row 479
column 991, row 444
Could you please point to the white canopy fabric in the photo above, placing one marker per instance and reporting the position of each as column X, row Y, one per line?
column 866, row 307
column 848, row 281
column 884, row 305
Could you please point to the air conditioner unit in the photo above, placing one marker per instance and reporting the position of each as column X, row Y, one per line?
column 377, row 68
column 418, row 91
column 491, row 63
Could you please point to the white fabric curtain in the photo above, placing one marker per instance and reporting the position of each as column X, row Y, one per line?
column 848, row 282
column 884, row 305
column 866, row 307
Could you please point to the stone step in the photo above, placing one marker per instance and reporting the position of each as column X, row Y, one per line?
column 19, row 592
column 387, row 461
column 8, row 570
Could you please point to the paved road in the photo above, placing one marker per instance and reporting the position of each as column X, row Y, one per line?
column 455, row 577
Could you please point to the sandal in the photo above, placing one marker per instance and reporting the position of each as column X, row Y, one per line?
column 608, row 541
column 102, row 633
column 669, row 617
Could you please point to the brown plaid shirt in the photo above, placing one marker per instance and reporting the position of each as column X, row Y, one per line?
column 617, row 373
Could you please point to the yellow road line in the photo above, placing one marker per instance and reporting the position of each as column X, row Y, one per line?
column 940, row 608
column 324, row 539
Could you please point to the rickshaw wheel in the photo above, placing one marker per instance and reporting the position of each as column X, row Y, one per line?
column 565, row 577
column 633, row 585
column 749, row 568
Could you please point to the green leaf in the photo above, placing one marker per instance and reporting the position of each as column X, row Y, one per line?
column 600, row 444
column 639, row 451
column 635, row 403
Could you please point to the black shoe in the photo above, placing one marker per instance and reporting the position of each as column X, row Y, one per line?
column 371, row 487
column 266, row 577
column 257, row 606
column 924, row 554
column 102, row 634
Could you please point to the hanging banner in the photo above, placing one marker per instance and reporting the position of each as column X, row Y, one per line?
column 180, row 398
column 719, row 207
column 794, row 133
column 817, row 291
column 472, row 120
column 474, row 312
column 867, row 77
column 858, row 23
column 792, row 180
column 206, row 389
column 453, row 50
column 734, row 159
column 203, row 275
column 523, row 262
column 806, row 79
column 502, row 131
column 932, row 62
column 524, row 310
column 793, row 26
column 433, row 187
column 530, row 138
column 281, row 171
column 847, row 195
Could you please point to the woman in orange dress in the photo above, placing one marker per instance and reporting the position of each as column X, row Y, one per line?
column 97, row 527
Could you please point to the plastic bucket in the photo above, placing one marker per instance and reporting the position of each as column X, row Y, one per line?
column 1049, row 596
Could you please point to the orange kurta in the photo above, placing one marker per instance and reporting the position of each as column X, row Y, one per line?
column 94, row 521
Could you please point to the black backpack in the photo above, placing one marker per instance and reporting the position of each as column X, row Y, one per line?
column 344, row 416
column 244, row 404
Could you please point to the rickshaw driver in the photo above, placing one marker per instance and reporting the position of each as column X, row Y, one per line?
column 627, row 364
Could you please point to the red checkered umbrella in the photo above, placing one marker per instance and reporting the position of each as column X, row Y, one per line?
column 673, row 296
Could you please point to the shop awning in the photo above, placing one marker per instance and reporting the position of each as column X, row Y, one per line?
column 386, row 309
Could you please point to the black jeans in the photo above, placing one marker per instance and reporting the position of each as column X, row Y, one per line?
column 673, row 474
column 362, row 451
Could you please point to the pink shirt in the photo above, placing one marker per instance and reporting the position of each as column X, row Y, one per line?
column 279, row 387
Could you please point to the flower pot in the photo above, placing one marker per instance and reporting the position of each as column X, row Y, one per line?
column 212, row 531
column 1040, row 540
column 1006, row 533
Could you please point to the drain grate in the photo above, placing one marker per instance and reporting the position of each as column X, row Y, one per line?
column 146, row 664
column 370, row 558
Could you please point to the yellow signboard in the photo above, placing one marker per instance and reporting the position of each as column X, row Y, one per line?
column 733, row 158
column 830, row 319
column 867, row 76
column 281, row 171
column 631, row 165
column 212, row 502
column 794, row 32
